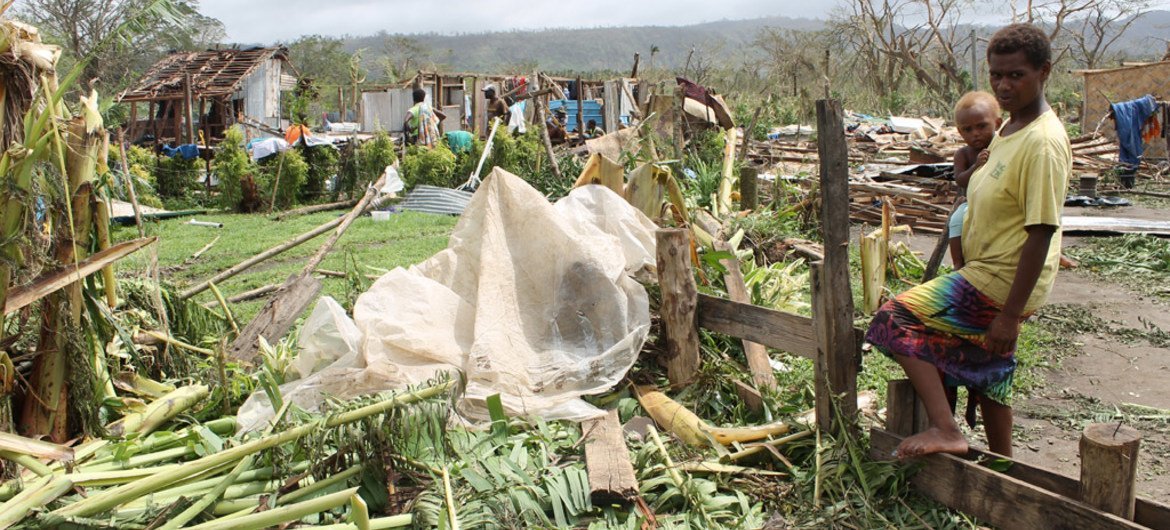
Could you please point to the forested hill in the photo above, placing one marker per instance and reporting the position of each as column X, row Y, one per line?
column 613, row 48
column 587, row 49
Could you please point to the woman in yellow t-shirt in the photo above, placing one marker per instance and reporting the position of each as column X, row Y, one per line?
column 962, row 327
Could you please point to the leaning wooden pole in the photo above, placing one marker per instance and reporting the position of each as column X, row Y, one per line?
column 128, row 180
column 298, row 291
column 1109, row 454
column 548, row 148
column 679, row 305
column 261, row 257
column 838, row 354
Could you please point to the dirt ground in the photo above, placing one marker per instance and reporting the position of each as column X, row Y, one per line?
column 1104, row 373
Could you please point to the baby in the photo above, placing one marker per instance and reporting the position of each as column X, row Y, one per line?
column 977, row 116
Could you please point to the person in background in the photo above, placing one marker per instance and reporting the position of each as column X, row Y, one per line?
column 557, row 133
column 592, row 130
column 965, row 324
column 422, row 122
column 459, row 141
column 496, row 108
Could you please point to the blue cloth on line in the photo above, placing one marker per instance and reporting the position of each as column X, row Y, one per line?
column 187, row 151
column 1130, row 117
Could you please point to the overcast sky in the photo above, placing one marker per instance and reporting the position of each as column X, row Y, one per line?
column 284, row 20
column 267, row 21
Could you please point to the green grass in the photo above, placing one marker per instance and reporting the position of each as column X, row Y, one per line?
column 407, row 238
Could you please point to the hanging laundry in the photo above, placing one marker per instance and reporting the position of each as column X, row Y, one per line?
column 187, row 151
column 1130, row 117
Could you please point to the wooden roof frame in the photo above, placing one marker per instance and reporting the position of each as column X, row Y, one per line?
column 214, row 73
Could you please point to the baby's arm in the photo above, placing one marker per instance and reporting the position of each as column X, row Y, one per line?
column 966, row 163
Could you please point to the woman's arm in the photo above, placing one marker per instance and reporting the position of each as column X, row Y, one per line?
column 1005, row 329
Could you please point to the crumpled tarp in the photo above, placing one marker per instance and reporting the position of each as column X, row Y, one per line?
column 534, row 301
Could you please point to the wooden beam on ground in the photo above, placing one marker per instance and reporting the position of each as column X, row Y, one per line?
column 679, row 305
column 1109, row 455
column 995, row 498
column 19, row 297
column 607, row 460
column 277, row 316
column 838, row 352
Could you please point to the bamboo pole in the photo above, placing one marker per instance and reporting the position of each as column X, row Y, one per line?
column 109, row 499
column 315, row 208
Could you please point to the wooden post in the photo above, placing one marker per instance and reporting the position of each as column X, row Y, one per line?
column 341, row 104
column 637, row 59
column 679, row 305
column 133, row 119
column 1109, row 454
column 612, row 109
column 153, row 125
column 188, row 109
column 748, row 197
column 905, row 413
column 838, row 354
column 580, row 111
column 176, row 120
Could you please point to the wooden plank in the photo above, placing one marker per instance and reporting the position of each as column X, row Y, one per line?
column 838, row 353
column 612, row 103
column 774, row 329
column 19, row 297
column 995, row 498
column 277, row 316
column 751, row 398
column 607, row 460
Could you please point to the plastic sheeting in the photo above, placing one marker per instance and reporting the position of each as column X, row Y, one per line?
column 534, row 301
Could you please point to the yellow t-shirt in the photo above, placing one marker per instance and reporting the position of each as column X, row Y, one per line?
column 1022, row 184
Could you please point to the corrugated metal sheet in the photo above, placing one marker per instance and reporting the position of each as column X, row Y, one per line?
column 432, row 199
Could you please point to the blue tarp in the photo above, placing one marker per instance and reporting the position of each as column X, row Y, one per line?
column 187, row 151
column 590, row 109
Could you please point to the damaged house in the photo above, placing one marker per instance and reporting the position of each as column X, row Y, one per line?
column 206, row 92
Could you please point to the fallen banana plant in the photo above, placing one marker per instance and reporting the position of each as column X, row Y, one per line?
column 691, row 429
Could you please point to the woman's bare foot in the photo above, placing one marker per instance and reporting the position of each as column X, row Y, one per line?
column 932, row 440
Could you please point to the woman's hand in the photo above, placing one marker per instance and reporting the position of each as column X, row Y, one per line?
column 1002, row 334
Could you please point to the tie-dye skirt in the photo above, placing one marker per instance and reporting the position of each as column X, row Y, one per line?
column 943, row 322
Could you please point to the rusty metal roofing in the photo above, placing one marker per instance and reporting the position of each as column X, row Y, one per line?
column 213, row 73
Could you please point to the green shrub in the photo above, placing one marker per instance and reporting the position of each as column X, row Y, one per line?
column 322, row 161
column 175, row 177
column 373, row 157
column 231, row 164
column 287, row 172
column 434, row 167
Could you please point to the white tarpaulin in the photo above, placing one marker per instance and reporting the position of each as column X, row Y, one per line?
column 533, row 301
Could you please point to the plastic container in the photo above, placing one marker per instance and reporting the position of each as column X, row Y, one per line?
column 380, row 216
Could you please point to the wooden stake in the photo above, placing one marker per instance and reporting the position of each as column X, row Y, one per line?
column 838, row 354
column 580, row 110
column 757, row 354
column 607, row 460
column 1109, row 454
column 637, row 59
column 679, row 305
column 188, row 109
column 748, row 184
column 905, row 414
